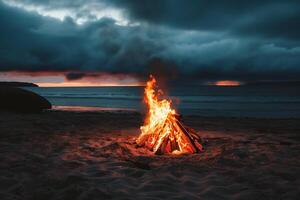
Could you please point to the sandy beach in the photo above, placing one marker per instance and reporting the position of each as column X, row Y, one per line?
column 93, row 155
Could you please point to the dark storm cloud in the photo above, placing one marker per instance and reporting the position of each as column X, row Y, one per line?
column 244, row 40
column 270, row 18
column 75, row 75
column 32, row 42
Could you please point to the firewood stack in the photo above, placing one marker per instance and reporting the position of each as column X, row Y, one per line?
column 171, row 137
column 162, row 132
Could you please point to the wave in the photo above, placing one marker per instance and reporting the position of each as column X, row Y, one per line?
column 244, row 102
column 92, row 96
column 186, row 99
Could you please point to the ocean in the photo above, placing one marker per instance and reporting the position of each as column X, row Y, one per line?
column 243, row 101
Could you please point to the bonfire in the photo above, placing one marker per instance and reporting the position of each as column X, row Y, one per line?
column 162, row 132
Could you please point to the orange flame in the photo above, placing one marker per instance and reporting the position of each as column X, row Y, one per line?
column 161, row 125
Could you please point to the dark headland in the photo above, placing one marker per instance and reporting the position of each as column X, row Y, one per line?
column 17, row 84
column 14, row 98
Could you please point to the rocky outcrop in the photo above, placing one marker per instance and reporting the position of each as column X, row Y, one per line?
column 17, row 84
column 21, row 100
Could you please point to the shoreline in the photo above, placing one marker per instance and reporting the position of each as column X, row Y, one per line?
column 90, row 155
column 89, row 109
column 94, row 109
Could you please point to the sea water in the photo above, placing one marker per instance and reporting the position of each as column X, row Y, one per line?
column 241, row 101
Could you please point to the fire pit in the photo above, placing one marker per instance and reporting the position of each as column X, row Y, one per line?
column 162, row 132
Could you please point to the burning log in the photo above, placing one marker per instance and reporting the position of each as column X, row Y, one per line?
column 162, row 132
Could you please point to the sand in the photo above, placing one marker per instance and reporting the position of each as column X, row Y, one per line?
column 92, row 155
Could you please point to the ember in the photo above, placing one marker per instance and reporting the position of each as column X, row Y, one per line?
column 162, row 132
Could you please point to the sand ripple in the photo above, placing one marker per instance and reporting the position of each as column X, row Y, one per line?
column 100, row 163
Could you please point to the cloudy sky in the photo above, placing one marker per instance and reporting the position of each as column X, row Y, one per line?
column 122, row 41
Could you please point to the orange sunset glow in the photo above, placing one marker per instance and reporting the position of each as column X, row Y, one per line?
column 60, row 79
column 87, row 84
column 226, row 83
